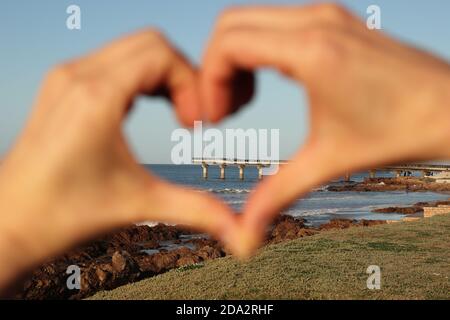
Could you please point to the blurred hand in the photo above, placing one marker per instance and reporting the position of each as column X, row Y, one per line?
column 372, row 100
column 71, row 174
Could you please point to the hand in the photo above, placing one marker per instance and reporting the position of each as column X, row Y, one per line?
column 373, row 101
column 71, row 174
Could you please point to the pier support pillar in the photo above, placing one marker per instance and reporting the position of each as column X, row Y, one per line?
column 347, row 177
column 241, row 171
column 260, row 172
column 222, row 171
column 372, row 174
column 423, row 173
column 205, row 170
column 398, row 173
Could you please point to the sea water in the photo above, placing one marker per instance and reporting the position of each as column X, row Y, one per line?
column 319, row 206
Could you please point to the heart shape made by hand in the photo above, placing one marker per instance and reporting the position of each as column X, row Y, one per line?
column 366, row 94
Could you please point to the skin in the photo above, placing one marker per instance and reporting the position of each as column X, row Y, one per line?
column 71, row 175
column 372, row 100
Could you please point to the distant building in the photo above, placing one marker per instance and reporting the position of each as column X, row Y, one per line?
column 443, row 177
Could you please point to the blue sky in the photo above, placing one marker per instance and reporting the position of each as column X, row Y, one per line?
column 34, row 37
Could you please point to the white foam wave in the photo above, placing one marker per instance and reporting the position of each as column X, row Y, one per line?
column 312, row 212
column 235, row 201
column 229, row 190
column 337, row 197
column 320, row 189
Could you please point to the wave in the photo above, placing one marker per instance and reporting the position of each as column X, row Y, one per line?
column 229, row 190
column 337, row 197
column 312, row 212
column 237, row 190
column 320, row 189
column 235, row 201
column 323, row 211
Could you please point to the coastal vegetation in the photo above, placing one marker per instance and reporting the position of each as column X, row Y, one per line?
column 414, row 258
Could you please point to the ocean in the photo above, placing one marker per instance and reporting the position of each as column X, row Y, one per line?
column 318, row 207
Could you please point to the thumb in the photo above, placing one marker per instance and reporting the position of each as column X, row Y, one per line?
column 310, row 167
column 161, row 201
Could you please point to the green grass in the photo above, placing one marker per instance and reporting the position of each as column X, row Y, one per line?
column 414, row 258
column 190, row 267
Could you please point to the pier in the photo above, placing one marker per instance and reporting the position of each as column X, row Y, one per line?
column 242, row 164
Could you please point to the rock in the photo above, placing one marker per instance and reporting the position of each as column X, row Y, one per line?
column 347, row 223
column 202, row 242
column 393, row 184
column 422, row 204
column 338, row 224
column 401, row 210
column 121, row 261
column 182, row 251
column 208, row 252
column 102, row 275
column 152, row 244
column 189, row 260
column 162, row 232
column 286, row 228
column 117, row 258
column 145, row 264
column 161, row 262
column 306, row 232
column 89, row 279
column 105, row 263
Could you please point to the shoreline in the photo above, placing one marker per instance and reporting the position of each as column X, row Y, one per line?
column 408, row 184
column 120, row 258
column 138, row 252
column 328, row 265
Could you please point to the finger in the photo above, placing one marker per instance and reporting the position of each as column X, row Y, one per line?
column 282, row 17
column 310, row 168
column 115, row 52
column 161, row 201
column 93, row 63
column 245, row 49
column 143, row 63
column 159, row 69
column 276, row 32
column 157, row 66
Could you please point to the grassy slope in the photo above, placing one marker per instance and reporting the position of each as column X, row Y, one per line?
column 414, row 258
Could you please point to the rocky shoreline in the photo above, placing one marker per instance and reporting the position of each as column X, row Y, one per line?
column 411, row 184
column 138, row 252
column 413, row 209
